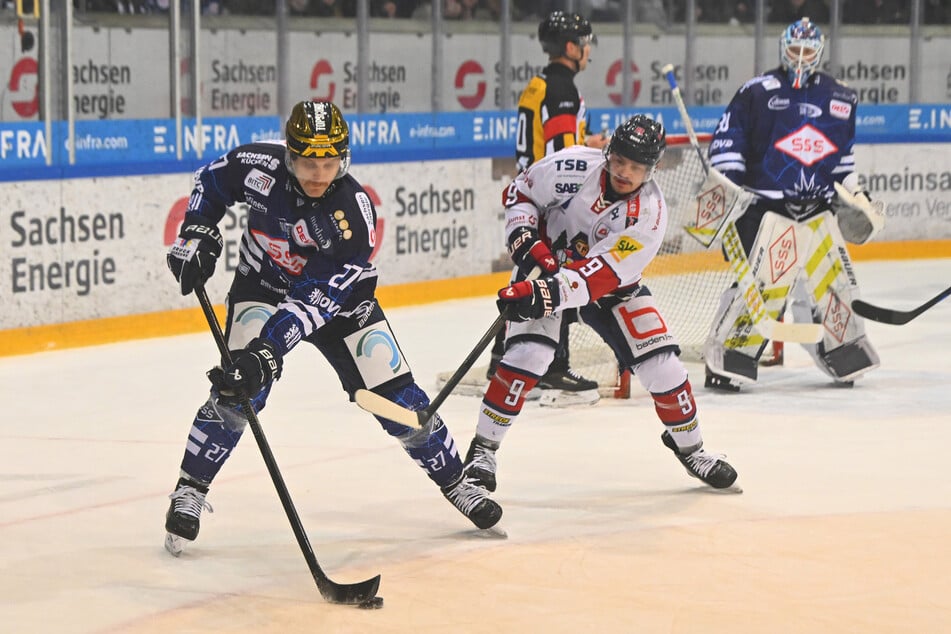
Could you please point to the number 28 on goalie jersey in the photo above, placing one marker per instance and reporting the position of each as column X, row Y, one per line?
column 608, row 241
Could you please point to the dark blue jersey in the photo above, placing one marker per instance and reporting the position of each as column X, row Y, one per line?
column 787, row 145
column 308, row 256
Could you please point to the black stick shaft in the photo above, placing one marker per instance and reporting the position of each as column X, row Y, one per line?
column 329, row 589
column 896, row 317
column 496, row 327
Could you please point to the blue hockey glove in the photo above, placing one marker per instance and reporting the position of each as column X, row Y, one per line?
column 192, row 256
column 528, row 251
column 527, row 300
column 251, row 369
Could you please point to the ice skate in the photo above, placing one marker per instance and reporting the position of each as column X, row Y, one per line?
column 184, row 511
column 710, row 468
column 714, row 381
column 480, row 463
column 563, row 386
column 473, row 501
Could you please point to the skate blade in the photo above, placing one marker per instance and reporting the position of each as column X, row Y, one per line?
column 174, row 544
column 493, row 532
column 733, row 489
column 563, row 398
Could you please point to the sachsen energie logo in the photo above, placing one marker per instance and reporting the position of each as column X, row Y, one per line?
column 471, row 74
column 615, row 77
column 322, row 67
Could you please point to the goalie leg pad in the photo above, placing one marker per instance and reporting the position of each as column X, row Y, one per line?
column 825, row 296
column 847, row 363
column 732, row 347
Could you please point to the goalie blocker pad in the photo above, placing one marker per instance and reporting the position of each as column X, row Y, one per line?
column 718, row 202
column 858, row 217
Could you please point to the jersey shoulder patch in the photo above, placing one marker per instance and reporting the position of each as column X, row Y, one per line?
column 767, row 82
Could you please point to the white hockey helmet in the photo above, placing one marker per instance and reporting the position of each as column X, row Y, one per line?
column 800, row 50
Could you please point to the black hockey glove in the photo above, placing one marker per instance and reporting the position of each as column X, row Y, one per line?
column 251, row 369
column 527, row 300
column 192, row 256
column 528, row 251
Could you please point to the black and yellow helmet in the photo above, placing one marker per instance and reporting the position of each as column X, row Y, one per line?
column 317, row 129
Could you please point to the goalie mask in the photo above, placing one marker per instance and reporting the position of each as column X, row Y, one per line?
column 800, row 50
column 316, row 129
column 559, row 28
column 640, row 139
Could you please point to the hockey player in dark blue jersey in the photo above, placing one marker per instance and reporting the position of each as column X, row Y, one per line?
column 304, row 274
column 788, row 137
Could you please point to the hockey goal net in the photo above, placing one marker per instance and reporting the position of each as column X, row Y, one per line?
column 686, row 280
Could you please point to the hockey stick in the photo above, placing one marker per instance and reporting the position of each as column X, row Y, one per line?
column 331, row 591
column 722, row 192
column 895, row 317
column 668, row 71
column 768, row 327
column 380, row 406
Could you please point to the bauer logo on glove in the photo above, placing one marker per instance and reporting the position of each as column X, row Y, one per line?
column 192, row 257
column 250, row 370
column 527, row 300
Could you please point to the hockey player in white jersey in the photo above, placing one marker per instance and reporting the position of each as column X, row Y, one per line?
column 596, row 219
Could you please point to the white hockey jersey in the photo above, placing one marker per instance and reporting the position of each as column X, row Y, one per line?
column 601, row 245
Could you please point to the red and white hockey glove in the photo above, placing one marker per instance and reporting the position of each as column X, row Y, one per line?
column 527, row 300
column 528, row 251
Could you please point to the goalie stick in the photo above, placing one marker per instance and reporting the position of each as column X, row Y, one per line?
column 331, row 591
column 768, row 327
column 895, row 317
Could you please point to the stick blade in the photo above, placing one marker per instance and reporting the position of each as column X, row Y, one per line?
column 882, row 315
column 348, row 593
column 791, row 332
column 379, row 406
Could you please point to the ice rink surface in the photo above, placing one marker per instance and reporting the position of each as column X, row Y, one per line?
column 843, row 525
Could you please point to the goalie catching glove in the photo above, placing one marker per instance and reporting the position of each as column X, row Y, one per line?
column 192, row 256
column 527, row 300
column 858, row 216
column 250, row 370
column 528, row 251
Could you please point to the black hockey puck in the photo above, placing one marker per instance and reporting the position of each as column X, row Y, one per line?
column 371, row 604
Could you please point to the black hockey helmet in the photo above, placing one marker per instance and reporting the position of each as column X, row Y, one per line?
column 640, row 139
column 317, row 129
column 559, row 28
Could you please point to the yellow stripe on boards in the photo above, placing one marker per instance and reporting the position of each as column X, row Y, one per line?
column 177, row 322
column 191, row 320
